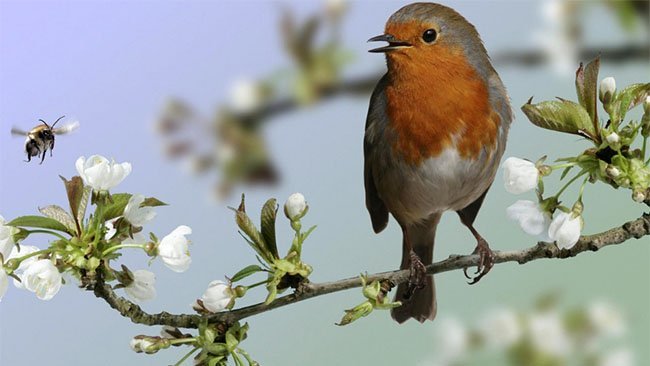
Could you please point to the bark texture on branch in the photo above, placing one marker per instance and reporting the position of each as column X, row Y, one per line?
column 633, row 229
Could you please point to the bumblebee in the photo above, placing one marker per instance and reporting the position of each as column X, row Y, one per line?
column 41, row 138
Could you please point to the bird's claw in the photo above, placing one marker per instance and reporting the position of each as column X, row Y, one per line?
column 485, row 263
column 417, row 277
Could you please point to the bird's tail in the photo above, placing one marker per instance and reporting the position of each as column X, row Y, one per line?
column 422, row 303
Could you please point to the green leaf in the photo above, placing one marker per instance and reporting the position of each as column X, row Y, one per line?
column 565, row 172
column 256, row 240
column 627, row 99
column 59, row 214
column 40, row 222
column 116, row 207
column 587, row 90
column 152, row 202
column 245, row 272
column 75, row 190
column 562, row 116
column 268, row 216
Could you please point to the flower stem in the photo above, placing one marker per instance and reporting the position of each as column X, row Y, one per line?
column 21, row 259
column 257, row 284
column 187, row 355
column 645, row 139
column 561, row 166
column 557, row 196
column 120, row 246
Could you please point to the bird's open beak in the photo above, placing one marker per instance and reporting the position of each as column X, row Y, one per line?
column 393, row 44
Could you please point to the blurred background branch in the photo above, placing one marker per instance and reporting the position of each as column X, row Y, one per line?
column 231, row 141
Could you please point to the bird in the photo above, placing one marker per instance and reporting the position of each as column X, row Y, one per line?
column 435, row 133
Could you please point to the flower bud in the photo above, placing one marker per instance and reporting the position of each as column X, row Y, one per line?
column 240, row 291
column 646, row 105
column 612, row 171
column 638, row 195
column 295, row 206
column 607, row 89
column 143, row 344
column 613, row 138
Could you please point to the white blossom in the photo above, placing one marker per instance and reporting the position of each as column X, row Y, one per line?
column 618, row 357
column 606, row 319
column 217, row 296
column 42, row 278
column 174, row 251
column 565, row 230
column 100, row 174
column 143, row 286
column 137, row 215
column 607, row 89
column 548, row 334
column 24, row 250
column 646, row 105
column 295, row 205
column 6, row 240
column 246, row 96
column 4, row 282
column 111, row 229
column 519, row 175
column 500, row 328
column 452, row 339
column 530, row 217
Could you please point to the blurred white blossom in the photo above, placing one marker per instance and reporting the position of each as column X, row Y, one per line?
column 452, row 339
column 618, row 357
column 500, row 328
column 174, row 249
column 606, row 319
column 555, row 38
column 143, row 286
column 519, row 175
column 100, row 174
column 565, row 230
column 246, row 96
column 42, row 278
column 548, row 334
column 135, row 214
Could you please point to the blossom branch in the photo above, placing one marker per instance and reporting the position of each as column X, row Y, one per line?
column 633, row 229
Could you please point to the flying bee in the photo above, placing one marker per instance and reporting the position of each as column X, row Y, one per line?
column 41, row 138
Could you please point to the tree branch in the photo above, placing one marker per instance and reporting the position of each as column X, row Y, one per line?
column 632, row 229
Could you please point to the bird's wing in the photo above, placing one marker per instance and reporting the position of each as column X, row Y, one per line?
column 374, row 204
column 18, row 132
column 67, row 128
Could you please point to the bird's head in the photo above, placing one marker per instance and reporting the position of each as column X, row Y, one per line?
column 431, row 35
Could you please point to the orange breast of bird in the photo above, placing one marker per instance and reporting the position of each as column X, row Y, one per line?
column 437, row 102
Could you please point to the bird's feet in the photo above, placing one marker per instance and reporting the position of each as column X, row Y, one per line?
column 417, row 278
column 485, row 263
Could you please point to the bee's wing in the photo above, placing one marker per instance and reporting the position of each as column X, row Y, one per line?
column 66, row 128
column 18, row 132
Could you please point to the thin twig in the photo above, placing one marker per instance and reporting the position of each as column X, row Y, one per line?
column 632, row 229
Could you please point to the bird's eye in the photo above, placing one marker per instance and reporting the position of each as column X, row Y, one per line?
column 429, row 35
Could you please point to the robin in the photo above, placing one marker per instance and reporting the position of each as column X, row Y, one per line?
column 435, row 133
